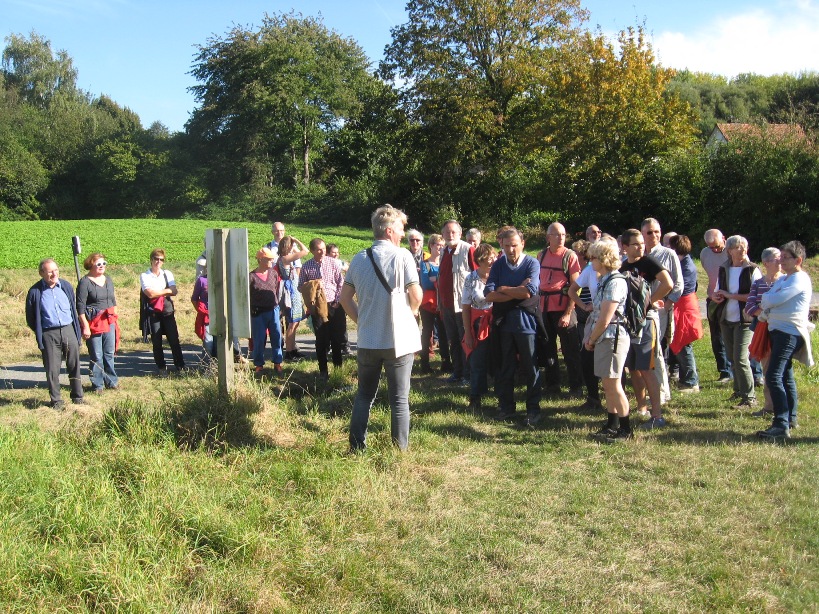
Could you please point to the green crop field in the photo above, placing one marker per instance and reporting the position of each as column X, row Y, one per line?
column 131, row 241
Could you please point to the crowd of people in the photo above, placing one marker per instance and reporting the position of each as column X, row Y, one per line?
column 619, row 309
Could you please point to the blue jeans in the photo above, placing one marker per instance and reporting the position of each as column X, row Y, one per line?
column 101, row 355
column 688, row 367
column 779, row 378
column 259, row 325
column 477, row 369
column 516, row 346
column 398, row 370
column 718, row 346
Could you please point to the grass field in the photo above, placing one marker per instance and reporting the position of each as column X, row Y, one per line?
column 163, row 497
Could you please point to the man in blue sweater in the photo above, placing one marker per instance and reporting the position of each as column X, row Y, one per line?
column 512, row 287
column 51, row 313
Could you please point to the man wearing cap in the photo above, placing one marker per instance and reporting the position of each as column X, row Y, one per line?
column 51, row 313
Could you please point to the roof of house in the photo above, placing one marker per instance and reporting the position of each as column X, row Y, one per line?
column 776, row 132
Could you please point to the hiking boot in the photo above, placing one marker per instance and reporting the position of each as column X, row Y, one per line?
column 774, row 434
column 620, row 435
column 604, row 433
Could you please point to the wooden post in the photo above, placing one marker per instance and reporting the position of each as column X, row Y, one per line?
column 218, row 308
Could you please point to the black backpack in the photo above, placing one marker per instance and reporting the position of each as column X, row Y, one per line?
column 638, row 302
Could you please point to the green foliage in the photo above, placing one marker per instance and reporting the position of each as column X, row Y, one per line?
column 765, row 191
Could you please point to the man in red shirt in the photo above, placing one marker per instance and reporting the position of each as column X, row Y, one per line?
column 559, row 267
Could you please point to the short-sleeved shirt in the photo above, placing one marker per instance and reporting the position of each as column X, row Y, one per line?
column 711, row 262
column 473, row 294
column 554, row 279
column 328, row 271
column 615, row 289
column 647, row 268
column 374, row 325
column 157, row 282
column 587, row 280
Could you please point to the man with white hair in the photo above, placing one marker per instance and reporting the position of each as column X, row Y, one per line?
column 668, row 258
column 711, row 257
column 473, row 237
column 457, row 261
column 593, row 233
column 416, row 247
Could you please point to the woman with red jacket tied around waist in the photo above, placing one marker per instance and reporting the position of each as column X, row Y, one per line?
column 687, row 318
column 97, row 311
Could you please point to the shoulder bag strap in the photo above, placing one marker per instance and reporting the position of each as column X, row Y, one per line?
column 378, row 272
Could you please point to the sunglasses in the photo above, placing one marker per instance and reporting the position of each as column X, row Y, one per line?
column 158, row 259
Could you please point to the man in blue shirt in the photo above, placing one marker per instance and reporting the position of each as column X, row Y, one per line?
column 512, row 288
column 51, row 313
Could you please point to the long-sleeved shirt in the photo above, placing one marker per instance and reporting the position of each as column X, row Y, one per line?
column 788, row 300
column 758, row 288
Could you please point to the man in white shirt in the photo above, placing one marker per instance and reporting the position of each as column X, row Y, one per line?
column 711, row 257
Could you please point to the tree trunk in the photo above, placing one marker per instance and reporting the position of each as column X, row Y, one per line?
column 306, row 150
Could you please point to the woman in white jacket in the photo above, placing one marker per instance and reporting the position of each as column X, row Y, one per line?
column 786, row 306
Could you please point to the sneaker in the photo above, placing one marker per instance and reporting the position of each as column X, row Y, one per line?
column 688, row 389
column 454, row 379
column 620, row 435
column 734, row 396
column 794, row 425
column 759, row 383
column 724, row 380
column 773, row 434
column 58, row 405
column 653, row 423
column 745, row 404
column 79, row 401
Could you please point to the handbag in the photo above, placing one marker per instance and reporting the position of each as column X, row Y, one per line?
column 405, row 333
column 760, row 347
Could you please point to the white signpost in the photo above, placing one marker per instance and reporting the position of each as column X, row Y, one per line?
column 228, row 295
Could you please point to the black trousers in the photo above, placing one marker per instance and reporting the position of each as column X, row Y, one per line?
column 330, row 334
column 165, row 325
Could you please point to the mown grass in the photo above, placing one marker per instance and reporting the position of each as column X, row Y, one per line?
column 164, row 496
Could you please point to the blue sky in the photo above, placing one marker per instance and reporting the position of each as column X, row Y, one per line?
column 139, row 52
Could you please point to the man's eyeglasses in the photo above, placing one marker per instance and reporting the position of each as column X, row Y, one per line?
column 415, row 240
column 158, row 259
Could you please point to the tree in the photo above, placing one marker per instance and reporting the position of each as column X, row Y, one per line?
column 269, row 98
column 471, row 68
column 611, row 117
column 29, row 66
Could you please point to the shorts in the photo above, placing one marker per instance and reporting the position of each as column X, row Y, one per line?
column 642, row 355
column 610, row 359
